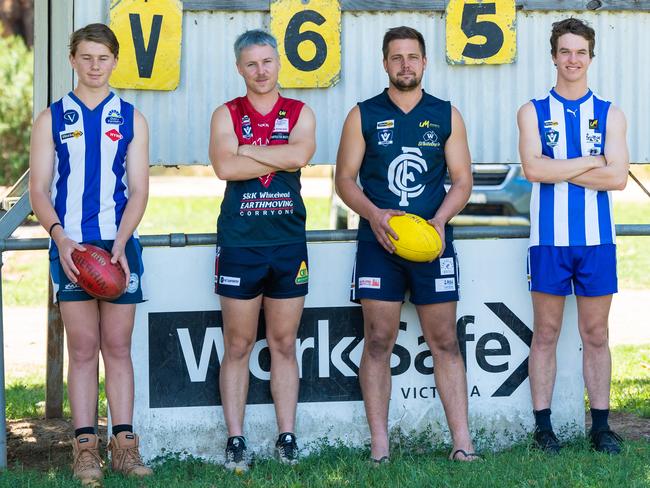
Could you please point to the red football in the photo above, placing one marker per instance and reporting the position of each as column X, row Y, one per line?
column 97, row 275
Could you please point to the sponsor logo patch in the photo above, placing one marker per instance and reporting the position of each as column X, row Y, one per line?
column 266, row 179
column 366, row 282
column 114, row 135
column 71, row 286
column 70, row 116
column 229, row 280
column 71, row 134
column 429, row 139
column 134, row 281
column 386, row 124
column 593, row 123
column 550, row 123
column 445, row 284
column 428, row 124
column 593, row 137
column 303, row 274
column 281, row 125
column 385, row 137
column 447, row 266
column 114, row 117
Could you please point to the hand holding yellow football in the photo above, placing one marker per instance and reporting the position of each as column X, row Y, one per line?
column 418, row 240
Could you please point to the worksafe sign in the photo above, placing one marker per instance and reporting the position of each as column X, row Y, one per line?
column 149, row 33
column 178, row 348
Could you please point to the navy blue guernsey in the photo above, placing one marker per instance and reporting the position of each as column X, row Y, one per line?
column 404, row 164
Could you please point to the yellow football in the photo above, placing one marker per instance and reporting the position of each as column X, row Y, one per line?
column 418, row 240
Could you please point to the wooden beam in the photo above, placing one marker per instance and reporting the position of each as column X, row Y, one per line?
column 54, row 360
column 424, row 5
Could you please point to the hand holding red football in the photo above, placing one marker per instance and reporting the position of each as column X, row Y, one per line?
column 98, row 276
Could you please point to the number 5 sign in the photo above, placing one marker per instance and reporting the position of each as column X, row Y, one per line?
column 481, row 32
column 309, row 42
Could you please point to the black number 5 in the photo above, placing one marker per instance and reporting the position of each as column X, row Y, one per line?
column 293, row 37
column 472, row 27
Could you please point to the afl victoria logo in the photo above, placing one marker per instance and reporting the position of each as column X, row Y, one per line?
column 402, row 173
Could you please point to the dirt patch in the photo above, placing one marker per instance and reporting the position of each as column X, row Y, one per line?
column 42, row 444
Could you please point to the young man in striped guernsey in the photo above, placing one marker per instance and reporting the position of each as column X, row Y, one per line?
column 573, row 148
column 258, row 144
column 89, row 176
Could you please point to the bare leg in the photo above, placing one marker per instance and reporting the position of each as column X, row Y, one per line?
column 282, row 321
column 438, row 322
column 381, row 323
column 548, row 311
column 81, row 321
column 593, row 313
column 116, row 326
column 240, row 319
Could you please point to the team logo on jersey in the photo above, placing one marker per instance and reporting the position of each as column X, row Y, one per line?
column 69, row 135
column 114, row 135
column 70, row 116
column 401, row 177
column 281, row 125
column 266, row 179
column 114, row 117
column 552, row 137
column 385, row 137
column 386, row 124
column 592, row 137
column 303, row 274
column 428, row 124
column 593, row 123
column 429, row 139
column 246, row 129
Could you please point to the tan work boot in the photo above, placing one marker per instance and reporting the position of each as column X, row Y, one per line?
column 86, row 462
column 125, row 456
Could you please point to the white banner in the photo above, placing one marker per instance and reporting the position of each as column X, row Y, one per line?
column 178, row 345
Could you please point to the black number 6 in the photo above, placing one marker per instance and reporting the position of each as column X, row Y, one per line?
column 471, row 27
column 293, row 37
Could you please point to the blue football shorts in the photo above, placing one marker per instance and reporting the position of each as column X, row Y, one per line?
column 588, row 271
column 273, row 271
column 67, row 291
column 379, row 275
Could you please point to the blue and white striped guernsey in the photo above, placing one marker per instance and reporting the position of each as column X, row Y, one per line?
column 564, row 214
column 89, row 189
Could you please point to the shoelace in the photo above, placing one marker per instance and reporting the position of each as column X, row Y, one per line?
column 88, row 459
column 289, row 448
column 132, row 458
column 610, row 433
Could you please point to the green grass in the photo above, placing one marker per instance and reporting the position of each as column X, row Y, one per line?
column 631, row 379
column 339, row 466
column 633, row 258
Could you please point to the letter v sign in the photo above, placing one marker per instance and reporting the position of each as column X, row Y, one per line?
column 524, row 333
column 145, row 56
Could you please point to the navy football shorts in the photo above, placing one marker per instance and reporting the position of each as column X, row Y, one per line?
column 67, row 291
column 590, row 269
column 273, row 271
column 379, row 275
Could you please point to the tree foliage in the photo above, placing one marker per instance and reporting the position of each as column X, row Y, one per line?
column 16, row 81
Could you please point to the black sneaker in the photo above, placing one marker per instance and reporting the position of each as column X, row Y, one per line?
column 545, row 440
column 606, row 441
column 236, row 455
column 287, row 448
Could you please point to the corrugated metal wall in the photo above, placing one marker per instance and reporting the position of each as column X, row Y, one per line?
column 487, row 96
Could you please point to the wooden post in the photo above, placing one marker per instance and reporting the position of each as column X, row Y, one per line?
column 54, row 363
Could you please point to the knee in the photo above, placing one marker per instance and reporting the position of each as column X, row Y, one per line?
column 379, row 343
column 545, row 335
column 595, row 338
column 116, row 350
column 88, row 352
column 282, row 346
column 238, row 348
column 446, row 345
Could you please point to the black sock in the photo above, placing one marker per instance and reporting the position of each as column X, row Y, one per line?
column 599, row 420
column 543, row 419
column 84, row 430
column 116, row 429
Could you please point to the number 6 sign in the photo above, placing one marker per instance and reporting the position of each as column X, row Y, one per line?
column 481, row 32
column 309, row 42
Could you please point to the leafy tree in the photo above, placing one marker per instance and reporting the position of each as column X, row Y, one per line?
column 16, row 80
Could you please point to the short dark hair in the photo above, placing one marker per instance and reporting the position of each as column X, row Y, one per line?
column 573, row 26
column 255, row 37
column 403, row 32
column 99, row 33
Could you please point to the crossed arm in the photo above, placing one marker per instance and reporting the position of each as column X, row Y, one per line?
column 606, row 172
column 233, row 162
